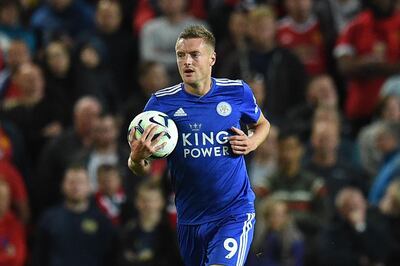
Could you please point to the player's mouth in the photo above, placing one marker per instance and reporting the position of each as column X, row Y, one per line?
column 188, row 72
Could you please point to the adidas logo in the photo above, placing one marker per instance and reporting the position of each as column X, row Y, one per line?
column 180, row 112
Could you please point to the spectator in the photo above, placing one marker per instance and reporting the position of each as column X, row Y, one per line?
column 148, row 240
column 326, row 162
column 121, row 52
column 300, row 32
column 93, row 77
column 110, row 194
column 61, row 19
column 291, row 179
column 353, row 238
column 320, row 92
column 11, row 28
column 367, row 54
column 275, row 64
column 390, row 208
column 233, row 48
column 388, row 111
column 278, row 241
column 13, row 250
column 60, row 84
column 391, row 86
column 17, row 54
column 387, row 142
column 152, row 76
column 303, row 192
column 36, row 117
column 158, row 36
column 74, row 232
column 106, row 149
column 64, row 150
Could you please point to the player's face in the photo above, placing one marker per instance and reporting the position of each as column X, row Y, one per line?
column 195, row 59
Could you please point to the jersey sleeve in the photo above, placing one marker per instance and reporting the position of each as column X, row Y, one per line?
column 345, row 42
column 153, row 104
column 250, row 112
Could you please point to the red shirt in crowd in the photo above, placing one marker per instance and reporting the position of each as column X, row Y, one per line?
column 12, row 241
column 366, row 36
column 14, row 180
column 306, row 41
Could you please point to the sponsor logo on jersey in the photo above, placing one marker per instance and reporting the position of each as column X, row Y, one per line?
column 224, row 109
column 180, row 112
column 197, row 144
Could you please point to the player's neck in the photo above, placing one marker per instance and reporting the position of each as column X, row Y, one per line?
column 199, row 89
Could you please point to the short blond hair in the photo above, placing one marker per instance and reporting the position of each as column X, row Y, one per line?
column 198, row 31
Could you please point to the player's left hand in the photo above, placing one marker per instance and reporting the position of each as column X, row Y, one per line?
column 241, row 144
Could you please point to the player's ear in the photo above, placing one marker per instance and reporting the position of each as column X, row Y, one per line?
column 213, row 58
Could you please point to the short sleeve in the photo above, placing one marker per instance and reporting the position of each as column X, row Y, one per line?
column 250, row 112
column 153, row 105
column 345, row 43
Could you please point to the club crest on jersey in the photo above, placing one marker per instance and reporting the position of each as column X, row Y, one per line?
column 224, row 109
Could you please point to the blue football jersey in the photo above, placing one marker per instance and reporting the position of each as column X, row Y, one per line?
column 210, row 181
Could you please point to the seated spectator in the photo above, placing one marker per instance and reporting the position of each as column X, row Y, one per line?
column 110, row 194
column 277, row 241
column 300, row 32
column 74, row 232
column 158, row 36
column 390, row 208
column 13, row 249
column 354, row 238
column 148, row 239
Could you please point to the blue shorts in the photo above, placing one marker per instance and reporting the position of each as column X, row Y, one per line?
column 224, row 242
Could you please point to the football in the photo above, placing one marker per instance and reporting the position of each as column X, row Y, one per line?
column 165, row 124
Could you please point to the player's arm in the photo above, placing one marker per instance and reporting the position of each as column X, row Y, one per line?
column 243, row 144
column 141, row 149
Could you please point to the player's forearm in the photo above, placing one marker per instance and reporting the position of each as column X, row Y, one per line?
column 260, row 132
column 140, row 168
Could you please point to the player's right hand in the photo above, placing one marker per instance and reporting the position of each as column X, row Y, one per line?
column 144, row 147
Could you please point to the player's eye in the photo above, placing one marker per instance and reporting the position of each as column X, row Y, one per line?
column 195, row 55
column 180, row 55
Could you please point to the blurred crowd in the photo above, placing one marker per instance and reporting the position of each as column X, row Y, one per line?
column 73, row 74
